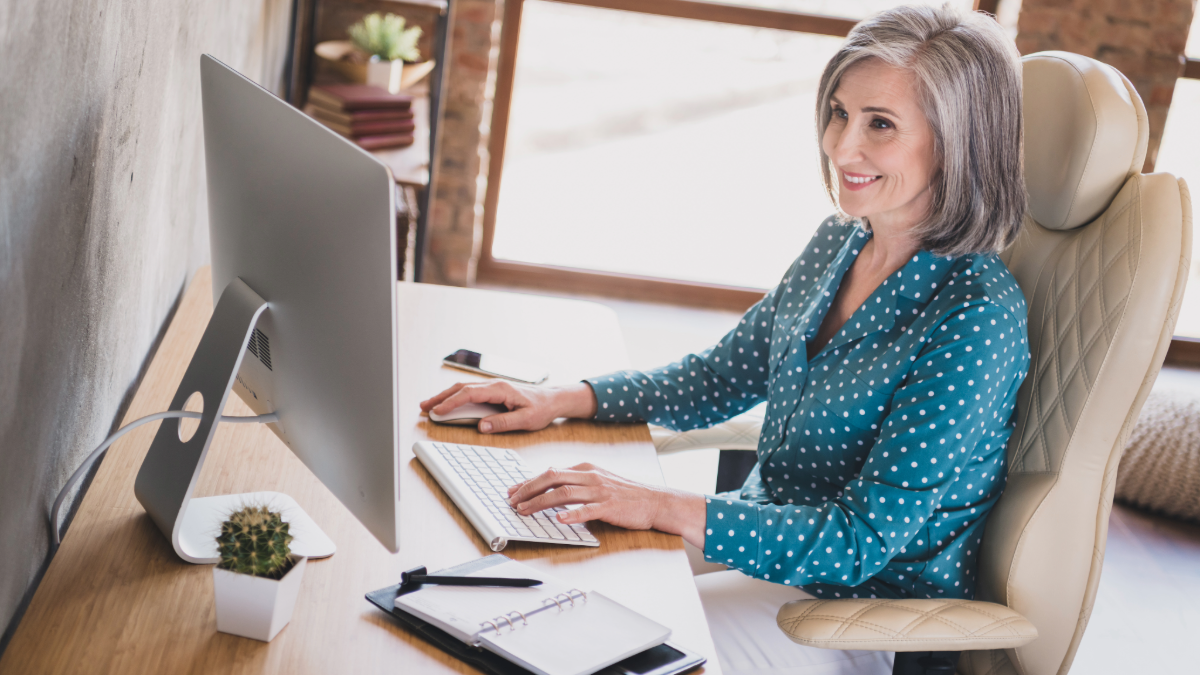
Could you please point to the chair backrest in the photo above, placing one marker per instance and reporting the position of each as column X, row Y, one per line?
column 1102, row 262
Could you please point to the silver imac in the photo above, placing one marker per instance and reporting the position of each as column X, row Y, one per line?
column 302, row 229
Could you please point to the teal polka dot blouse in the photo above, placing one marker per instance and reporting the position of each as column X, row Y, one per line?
column 881, row 457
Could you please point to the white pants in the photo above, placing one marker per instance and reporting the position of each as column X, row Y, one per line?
column 741, row 617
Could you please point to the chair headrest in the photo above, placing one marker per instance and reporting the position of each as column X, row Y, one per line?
column 1085, row 134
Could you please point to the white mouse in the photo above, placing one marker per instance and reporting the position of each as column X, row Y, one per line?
column 468, row 414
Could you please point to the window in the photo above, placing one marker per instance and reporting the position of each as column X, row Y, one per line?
column 859, row 9
column 1179, row 154
column 664, row 150
column 661, row 147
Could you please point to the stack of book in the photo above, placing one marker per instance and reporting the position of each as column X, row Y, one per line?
column 369, row 116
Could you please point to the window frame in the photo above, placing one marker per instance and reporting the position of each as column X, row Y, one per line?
column 1185, row 351
column 1191, row 68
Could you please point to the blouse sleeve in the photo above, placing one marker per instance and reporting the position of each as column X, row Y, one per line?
column 963, row 382
column 699, row 390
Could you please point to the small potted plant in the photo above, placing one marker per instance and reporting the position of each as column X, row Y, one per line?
column 383, row 53
column 387, row 45
column 258, row 578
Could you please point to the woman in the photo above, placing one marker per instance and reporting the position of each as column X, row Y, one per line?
column 889, row 357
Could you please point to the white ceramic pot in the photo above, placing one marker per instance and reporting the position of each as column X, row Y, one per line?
column 254, row 607
column 385, row 74
column 352, row 63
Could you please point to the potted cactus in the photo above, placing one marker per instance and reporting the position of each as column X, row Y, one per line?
column 258, row 578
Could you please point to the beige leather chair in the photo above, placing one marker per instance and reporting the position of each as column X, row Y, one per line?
column 1102, row 262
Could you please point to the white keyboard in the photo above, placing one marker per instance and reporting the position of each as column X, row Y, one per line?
column 477, row 478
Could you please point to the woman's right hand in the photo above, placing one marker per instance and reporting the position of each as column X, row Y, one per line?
column 529, row 407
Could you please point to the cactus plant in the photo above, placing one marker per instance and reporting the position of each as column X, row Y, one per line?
column 385, row 36
column 255, row 541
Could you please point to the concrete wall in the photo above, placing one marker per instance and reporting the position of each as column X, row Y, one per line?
column 102, row 221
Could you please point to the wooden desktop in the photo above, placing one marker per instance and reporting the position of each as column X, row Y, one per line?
column 116, row 599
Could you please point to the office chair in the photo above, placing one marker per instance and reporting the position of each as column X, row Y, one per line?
column 1102, row 260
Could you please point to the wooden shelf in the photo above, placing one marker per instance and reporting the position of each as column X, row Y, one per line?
column 438, row 6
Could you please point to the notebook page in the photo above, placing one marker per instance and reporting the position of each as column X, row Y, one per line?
column 459, row 610
column 578, row 640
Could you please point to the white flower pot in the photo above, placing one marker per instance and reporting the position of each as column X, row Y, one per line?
column 385, row 74
column 355, row 65
column 254, row 607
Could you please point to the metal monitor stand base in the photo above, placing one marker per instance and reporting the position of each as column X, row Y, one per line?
column 168, row 475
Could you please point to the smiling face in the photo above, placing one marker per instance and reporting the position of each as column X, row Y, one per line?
column 880, row 146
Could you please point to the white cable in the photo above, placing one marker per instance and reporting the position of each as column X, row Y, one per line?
column 91, row 459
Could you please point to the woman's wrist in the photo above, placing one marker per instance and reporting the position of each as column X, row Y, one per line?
column 576, row 401
column 682, row 513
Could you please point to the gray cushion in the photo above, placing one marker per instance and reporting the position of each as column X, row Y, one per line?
column 1161, row 467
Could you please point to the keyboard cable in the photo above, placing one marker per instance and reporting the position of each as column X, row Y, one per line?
column 99, row 451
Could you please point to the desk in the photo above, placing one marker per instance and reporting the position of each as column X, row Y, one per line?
column 116, row 599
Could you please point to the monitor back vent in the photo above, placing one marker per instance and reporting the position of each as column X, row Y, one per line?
column 260, row 346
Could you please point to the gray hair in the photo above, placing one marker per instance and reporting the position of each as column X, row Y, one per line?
column 968, row 75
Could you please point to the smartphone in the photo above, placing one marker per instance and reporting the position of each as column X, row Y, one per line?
column 495, row 366
column 665, row 659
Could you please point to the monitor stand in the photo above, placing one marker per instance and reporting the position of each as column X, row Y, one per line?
column 168, row 474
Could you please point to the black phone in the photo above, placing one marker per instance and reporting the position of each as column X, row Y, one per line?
column 665, row 659
column 495, row 366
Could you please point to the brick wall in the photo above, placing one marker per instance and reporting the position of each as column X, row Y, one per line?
column 456, row 221
column 1143, row 39
column 456, row 214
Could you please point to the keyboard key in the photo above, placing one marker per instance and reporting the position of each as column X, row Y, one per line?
column 488, row 473
column 536, row 528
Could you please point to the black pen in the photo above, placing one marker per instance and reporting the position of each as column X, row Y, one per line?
column 473, row 581
column 417, row 576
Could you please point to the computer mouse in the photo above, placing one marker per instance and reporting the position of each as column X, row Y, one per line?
column 468, row 414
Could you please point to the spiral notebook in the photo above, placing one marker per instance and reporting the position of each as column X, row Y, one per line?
column 552, row 629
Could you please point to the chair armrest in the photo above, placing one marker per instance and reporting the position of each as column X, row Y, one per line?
column 739, row 433
column 910, row 625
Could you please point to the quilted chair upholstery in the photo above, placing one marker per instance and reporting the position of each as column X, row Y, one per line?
column 1102, row 262
column 892, row 625
column 739, row 433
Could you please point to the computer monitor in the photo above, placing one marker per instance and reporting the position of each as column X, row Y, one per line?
column 303, row 237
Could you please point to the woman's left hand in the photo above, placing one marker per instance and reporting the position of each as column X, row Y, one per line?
column 615, row 500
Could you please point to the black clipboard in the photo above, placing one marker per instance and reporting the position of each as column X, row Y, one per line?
column 665, row 659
